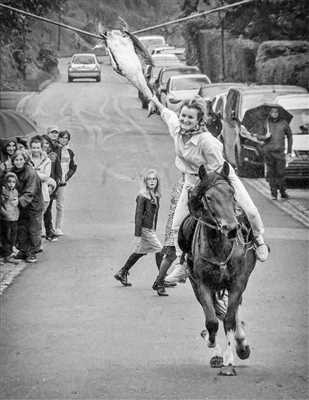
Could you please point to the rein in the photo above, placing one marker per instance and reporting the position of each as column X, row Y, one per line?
column 212, row 260
column 215, row 224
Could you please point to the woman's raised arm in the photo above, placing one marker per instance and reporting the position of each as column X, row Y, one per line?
column 168, row 116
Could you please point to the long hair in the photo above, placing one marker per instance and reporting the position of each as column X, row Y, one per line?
column 143, row 183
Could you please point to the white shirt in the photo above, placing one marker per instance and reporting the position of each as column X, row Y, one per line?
column 65, row 162
column 202, row 148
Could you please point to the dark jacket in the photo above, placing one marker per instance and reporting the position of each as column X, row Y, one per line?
column 146, row 214
column 72, row 165
column 5, row 159
column 214, row 125
column 30, row 189
column 276, row 143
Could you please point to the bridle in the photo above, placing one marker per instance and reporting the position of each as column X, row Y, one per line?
column 214, row 222
column 216, row 225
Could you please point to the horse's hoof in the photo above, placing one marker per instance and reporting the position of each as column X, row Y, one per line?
column 243, row 352
column 216, row 362
column 228, row 371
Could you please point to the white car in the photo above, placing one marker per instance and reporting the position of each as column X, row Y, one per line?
column 180, row 52
column 152, row 41
column 182, row 87
column 298, row 106
column 84, row 65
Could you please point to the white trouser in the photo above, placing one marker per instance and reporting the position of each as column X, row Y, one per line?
column 241, row 195
column 59, row 207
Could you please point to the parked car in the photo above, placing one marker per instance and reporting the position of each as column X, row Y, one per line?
column 84, row 65
column 151, row 71
column 180, row 52
column 150, row 42
column 240, row 147
column 182, row 87
column 166, row 72
column 298, row 106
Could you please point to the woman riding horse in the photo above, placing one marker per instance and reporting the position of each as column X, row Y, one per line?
column 195, row 146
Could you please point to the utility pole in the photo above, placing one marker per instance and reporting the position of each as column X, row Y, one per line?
column 221, row 18
column 59, row 28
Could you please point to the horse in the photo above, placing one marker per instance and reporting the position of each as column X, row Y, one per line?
column 217, row 241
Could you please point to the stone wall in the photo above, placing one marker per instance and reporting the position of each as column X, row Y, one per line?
column 277, row 62
column 283, row 62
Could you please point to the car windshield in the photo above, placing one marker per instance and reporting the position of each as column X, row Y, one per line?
column 188, row 83
column 173, row 72
column 83, row 60
column 300, row 121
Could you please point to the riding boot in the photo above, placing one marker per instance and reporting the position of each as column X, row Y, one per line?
column 159, row 258
column 159, row 287
column 122, row 274
column 166, row 262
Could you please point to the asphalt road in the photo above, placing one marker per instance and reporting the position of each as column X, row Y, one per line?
column 70, row 331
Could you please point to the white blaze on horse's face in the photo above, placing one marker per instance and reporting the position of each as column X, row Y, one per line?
column 221, row 202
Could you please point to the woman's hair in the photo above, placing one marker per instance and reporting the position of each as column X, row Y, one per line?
column 36, row 139
column 48, row 140
column 20, row 153
column 64, row 133
column 197, row 103
column 144, row 189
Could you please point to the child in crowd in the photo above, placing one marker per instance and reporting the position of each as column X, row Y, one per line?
column 68, row 168
column 42, row 166
column 146, row 216
column 9, row 214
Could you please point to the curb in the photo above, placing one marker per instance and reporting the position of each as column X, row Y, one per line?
column 8, row 272
column 292, row 207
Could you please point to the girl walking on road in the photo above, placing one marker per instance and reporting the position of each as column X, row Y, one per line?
column 146, row 216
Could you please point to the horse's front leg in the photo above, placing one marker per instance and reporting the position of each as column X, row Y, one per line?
column 230, row 328
column 242, row 346
column 212, row 324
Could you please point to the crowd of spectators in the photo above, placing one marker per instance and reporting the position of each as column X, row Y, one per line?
column 33, row 175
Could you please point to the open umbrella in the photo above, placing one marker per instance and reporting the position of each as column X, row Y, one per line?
column 13, row 124
column 255, row 117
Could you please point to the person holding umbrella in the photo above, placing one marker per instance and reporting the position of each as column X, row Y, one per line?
column 276, row 129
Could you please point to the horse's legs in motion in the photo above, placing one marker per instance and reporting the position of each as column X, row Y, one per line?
column 230, row 328
column 242, row 346
column 204, row 296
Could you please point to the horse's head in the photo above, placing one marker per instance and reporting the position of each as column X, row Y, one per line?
column 213, row 200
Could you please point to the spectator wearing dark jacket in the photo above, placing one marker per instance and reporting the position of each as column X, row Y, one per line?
column 31, row 207
column 276, row 130
column 9, row 214
column 146, row 216
column 8, row 148
column 68, row 169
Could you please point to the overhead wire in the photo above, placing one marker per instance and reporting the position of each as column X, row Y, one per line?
column 150, row 28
